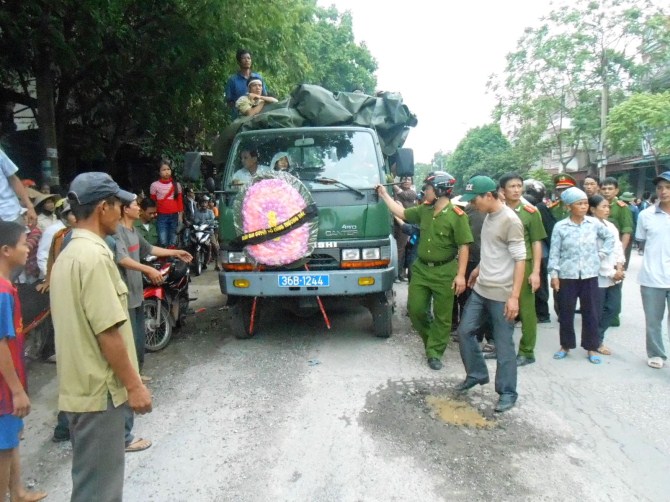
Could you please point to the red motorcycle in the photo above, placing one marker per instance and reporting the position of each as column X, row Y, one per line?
column 37, row 327
column 165, row 305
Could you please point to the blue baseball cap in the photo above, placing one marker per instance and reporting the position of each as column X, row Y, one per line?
column 663, row 176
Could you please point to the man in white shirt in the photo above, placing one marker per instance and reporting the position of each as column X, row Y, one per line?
column 249, row 160
column 496, row 284
column 653, row 230
column 13, row 194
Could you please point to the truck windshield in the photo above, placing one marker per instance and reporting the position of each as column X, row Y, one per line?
column 346, row 158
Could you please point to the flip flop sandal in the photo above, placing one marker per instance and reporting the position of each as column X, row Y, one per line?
column 605, row 351
column 561, row 354
column 489, row 347
column 595, row 359
column 138, row 445
column 655, row 362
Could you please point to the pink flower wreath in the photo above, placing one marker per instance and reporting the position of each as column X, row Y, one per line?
column 267, row 201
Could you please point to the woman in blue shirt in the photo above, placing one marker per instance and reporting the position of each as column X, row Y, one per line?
column 574, row 263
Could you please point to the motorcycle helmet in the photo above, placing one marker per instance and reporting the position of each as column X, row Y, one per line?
column 442, row 182
column 535, row 190
column 178, row 271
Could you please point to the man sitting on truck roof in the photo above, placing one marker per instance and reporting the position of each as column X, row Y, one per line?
column 249, row 160
column 253, row 102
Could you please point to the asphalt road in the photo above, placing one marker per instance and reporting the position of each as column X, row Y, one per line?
column 300, row 413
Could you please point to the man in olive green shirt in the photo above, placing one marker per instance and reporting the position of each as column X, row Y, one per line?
column 438, row 274
column 622, row 219
column 533, row 234
column 146, row 223
column 98, row 374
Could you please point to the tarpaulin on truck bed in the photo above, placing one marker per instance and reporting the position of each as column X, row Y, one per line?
column 312, row 105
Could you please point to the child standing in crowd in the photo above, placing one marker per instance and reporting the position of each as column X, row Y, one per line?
column 574, row 262
column 14, row 402
column 611, row 271
column 168, row 196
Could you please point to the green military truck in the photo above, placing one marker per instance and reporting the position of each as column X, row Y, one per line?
column 340, row 147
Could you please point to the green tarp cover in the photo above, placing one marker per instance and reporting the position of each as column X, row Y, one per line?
column 314, row 106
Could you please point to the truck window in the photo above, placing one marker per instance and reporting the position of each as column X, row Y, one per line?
column 347, row 156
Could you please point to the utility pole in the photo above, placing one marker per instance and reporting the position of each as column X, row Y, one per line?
column 604, row 100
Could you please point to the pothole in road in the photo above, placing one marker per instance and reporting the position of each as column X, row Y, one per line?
column 457, row 439
column 458, row 413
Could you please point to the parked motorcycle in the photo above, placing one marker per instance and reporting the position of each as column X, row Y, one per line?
column 200, row 245
column 165, row 305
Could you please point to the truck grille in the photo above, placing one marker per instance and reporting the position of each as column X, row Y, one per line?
column 322, row 262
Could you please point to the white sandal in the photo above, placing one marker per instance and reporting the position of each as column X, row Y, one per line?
column 655, row 362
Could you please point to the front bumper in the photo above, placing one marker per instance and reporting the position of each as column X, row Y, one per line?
column 342, row 283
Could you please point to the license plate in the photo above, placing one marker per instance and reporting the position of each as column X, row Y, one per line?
column 303, row 280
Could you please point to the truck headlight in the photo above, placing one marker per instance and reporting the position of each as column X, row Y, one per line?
column 371, row 253
column 351, row 254
column 236, row 257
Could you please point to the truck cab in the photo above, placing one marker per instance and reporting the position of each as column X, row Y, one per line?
column 355, row 254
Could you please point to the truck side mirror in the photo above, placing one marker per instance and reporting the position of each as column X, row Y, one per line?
column 405, row 162
column 210, row 185
column 192, row 163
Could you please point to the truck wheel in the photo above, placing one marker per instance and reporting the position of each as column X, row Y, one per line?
column 157, row 332
column 381, row 308
column 241, row 318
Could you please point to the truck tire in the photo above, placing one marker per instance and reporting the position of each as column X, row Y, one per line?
column 240, row 319
column 381, row 307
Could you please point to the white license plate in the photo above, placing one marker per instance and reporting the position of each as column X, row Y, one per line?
column 303, row 280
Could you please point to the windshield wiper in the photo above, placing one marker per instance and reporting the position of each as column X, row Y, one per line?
column 331, row 181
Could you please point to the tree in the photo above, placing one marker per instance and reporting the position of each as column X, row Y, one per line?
column 333, row 58
column 484, row 150
column 642, row 117
column 578, row 63
column 152, row 73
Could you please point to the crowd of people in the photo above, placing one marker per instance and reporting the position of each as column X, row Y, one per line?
column 476, row 264
column 524, row 244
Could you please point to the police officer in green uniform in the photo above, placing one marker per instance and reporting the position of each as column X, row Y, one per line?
column 533, row 233
column 438, row 274
column 622, row 218
column 562, row 182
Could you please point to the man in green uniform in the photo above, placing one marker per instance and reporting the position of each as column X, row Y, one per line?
column 562, row 182
column 439, row 271
column 533, row 234
column 622, row 219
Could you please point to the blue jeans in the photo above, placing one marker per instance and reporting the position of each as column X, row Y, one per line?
column 477, row 311
column 166, row 226
column 654, row 301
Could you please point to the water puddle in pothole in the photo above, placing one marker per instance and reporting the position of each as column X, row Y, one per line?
column 458, row 413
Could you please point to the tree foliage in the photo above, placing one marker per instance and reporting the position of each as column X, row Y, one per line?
column 644, row 116
column 484, row 150
column 550, row 90
column 153, row 73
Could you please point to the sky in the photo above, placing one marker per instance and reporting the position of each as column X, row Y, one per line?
column 439, row 55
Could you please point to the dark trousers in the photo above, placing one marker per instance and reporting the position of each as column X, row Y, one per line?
column 610, row 306
column 136, row 317
column 459, row 306
column 542, row 294
column 587, row 292
column 98, row 454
